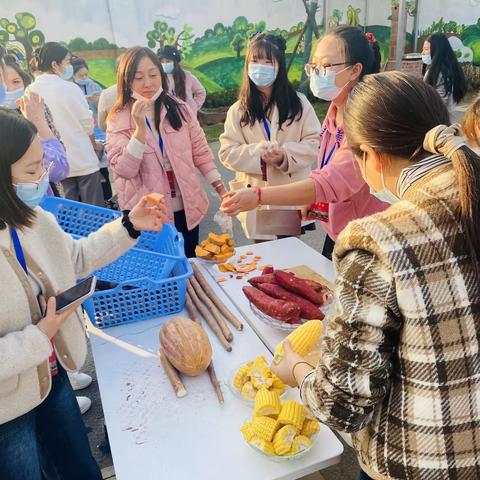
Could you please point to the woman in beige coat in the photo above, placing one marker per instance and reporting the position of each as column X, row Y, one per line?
column 41, row 430
column 272, row 133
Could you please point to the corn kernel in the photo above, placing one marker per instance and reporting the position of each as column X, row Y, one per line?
column 262, row 445
column 247, row 431
column 300, row 444
column 248, row 391
column 264, row 427
column 267, row 403
column 292, row 413
column 241, row 377
column 283, row 439
column 310, row 427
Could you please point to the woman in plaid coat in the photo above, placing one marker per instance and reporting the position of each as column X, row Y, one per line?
column 400, row 366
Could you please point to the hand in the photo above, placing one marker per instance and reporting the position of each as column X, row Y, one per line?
column 32, row 107
column 283, row 370
column 304, row 210
column 240, row 201
column 98, row 147
column 144, row 216
column 51, row 323
column 139, row 114
column 273, row 155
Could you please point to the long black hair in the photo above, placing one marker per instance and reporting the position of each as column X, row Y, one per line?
column 125, row 76
column 44, row 56
column 16, row 136
column 171, row 53
column 284, row 96
column 445, row 67
column 359, row 48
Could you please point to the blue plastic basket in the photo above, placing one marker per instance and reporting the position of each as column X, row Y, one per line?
column 139, row 298
column 81, row 219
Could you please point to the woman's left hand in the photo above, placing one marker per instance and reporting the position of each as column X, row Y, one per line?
column 144, row 216
column 284, row 369
column 274, row 155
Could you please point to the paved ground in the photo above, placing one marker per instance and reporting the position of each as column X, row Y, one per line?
column 346, row 470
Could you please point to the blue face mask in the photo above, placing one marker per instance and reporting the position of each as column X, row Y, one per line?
column 31, row 194
column 427, row 59
column 68, row 73
column 384, row 195
column 168, row 67
column 11, row 98
column 82, row 81
column 262, row 75
column 324, row 86
column 3, row 93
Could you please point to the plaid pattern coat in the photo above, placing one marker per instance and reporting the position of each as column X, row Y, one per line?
column 401, row 356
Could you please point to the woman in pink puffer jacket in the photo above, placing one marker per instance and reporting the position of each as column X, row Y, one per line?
column 155, row 144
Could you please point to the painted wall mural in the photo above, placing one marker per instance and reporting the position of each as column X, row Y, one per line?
column 213, row 34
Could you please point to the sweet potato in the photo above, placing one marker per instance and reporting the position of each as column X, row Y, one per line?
column 283, row 311
column 267, row 269
column 155, row 198
column 297, row 285
column 268, row 278
column 308, row 310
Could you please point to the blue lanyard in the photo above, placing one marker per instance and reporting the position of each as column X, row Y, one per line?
column 85, row 89
column 18, row 249
column 338, row 139
column 267, row 127
column 160, row 140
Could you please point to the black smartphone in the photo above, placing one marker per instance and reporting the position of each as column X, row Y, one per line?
column 76, row 295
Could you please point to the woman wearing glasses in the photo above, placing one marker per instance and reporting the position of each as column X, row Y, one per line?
column 271, row 133
column 42, row 435
column 335, row 191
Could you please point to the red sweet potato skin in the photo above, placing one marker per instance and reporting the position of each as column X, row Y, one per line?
column 308, row 310
column 284, row 311
column 268, row 269
column 299, row 286
column 267, row 278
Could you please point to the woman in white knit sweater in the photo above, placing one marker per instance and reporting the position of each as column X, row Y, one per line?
column 41, row 429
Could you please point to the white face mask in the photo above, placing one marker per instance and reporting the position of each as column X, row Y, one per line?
column 324, row 86
column 168, row 67
column 262, row 75
column 427, row 59
column 384, row 195
column 152, row 99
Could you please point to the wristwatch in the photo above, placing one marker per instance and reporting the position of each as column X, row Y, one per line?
column 129, row 226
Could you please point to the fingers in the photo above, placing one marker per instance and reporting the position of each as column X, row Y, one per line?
column 287, row 347
column 230, row 199
column 51, row 306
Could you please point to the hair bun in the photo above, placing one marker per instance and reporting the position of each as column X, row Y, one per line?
column 278, row 41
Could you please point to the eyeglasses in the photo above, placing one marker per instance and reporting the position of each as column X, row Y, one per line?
column 311, row 68
column 37, row 183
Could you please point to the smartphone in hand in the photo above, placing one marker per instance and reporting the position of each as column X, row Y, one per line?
column 76, row 295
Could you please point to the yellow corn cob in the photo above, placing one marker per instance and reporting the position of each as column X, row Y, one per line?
column 292, row 413
column 310, row 427
column 247, row 431
column 283, row 439
column 241, row 377
column 248, row 391
column 264, row 427
column 267, row 403
column 263, row 445
column 302, row 339
column 278, row 385
column 261, row 361
column 261, row 376
column 300, row 444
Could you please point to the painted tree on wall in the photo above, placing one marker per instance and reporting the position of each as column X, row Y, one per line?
column 243, row 30
column 163, row 34
column 22, row 31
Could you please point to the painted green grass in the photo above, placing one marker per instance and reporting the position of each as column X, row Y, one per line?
column 102, row 71
column 206, row 81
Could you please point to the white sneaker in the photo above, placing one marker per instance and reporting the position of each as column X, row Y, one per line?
column 84, row 403
column 79, row 380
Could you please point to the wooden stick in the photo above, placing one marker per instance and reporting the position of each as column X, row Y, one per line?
column 172, row 375
column 214, row 297
column 216, row 385
column 211, row 323
column 211, row 369
column 213, row 309
column 192, row 311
